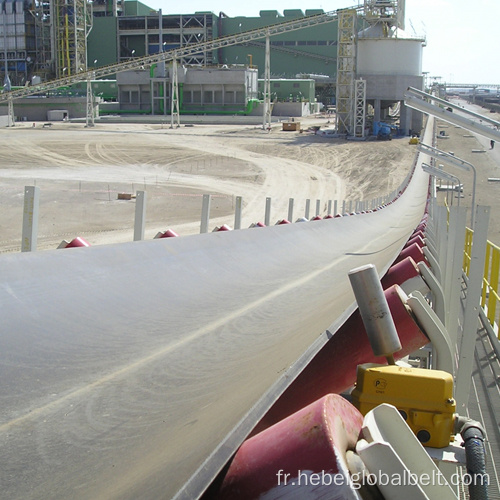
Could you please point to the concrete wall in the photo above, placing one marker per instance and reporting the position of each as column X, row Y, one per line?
column 4, row 119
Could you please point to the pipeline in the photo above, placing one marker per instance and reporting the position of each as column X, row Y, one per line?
column 473, row 435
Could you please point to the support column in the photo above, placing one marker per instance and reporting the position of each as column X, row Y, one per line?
column 237, row 212
column 10, row 112
column 405, row 118
column 376, row 108
column 346, row 70
column 140, row 215
column 30, row 218
column 267, row 216
column 174, row 110
column 267, row 87
column 205, row 213
column 290, row 209
column 89, row 122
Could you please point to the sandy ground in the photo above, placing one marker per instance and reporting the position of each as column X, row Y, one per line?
column 80, row 172
column 476, row 150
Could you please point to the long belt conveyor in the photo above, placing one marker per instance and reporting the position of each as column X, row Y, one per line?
column 136, row 370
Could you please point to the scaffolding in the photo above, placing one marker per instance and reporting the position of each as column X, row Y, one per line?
column 359, row 108
column 72, row 23
column 346, row 70
column 389, row 12
column 44, row 60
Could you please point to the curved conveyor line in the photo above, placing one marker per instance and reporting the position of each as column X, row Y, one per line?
column 135, row 370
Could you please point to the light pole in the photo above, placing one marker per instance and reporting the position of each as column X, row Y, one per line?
column 453, row 161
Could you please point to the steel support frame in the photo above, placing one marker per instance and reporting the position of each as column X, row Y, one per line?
column 359, row 108
column 182, row 53
column 89, row 120
column 472, row 306
column 453, row 118
column 174, row 108
column 10, row 113
column 453, row 161
column 266, row 125
column 346, row 70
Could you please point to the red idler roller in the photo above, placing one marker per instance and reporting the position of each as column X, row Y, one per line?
column 418, row 233
column 333, row 369
column 224, row 227
column 415, row 239
column 407, row 275
column 400, row 272
column 306, row 449
column 282, row 221
column 421, row 227
column 329, row 216
column 169, row 233
column 74, row 243
column 414, row 251
column 258, row 224
column 317, row 217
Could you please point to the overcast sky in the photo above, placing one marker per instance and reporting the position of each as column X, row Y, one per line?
column 460, row 33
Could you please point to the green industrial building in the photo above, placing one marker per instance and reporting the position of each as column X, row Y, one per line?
column 135, row 33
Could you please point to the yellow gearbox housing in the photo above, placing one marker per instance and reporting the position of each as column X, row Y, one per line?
column 423, row 397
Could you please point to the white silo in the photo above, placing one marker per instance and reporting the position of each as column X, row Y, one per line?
column 390, row 61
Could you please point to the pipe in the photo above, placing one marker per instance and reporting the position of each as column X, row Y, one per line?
column 473, row 435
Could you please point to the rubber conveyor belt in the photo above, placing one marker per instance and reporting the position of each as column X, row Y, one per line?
column 135, row 370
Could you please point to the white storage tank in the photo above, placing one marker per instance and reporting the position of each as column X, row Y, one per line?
column 384, row 50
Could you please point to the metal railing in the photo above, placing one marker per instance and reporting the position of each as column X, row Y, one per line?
column 490, row 296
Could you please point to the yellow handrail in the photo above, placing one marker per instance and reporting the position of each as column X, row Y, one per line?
column 490, row 296
column 490, row 288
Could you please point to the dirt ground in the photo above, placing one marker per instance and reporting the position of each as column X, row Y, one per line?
column 476, row 150
column 80, row 172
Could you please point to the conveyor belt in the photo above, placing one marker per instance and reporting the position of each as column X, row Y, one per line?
column 135, row 370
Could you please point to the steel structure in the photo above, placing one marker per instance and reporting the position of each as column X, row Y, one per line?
column 295, row 53
column 151, row 34
column 72, row 23
column 44, row 60
column 359, row 108
column 346, row 70
column 267, row 88
column 174, row 92
column 185, row 52
column 416, row 99
column 454, row 161
column 90, row 115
